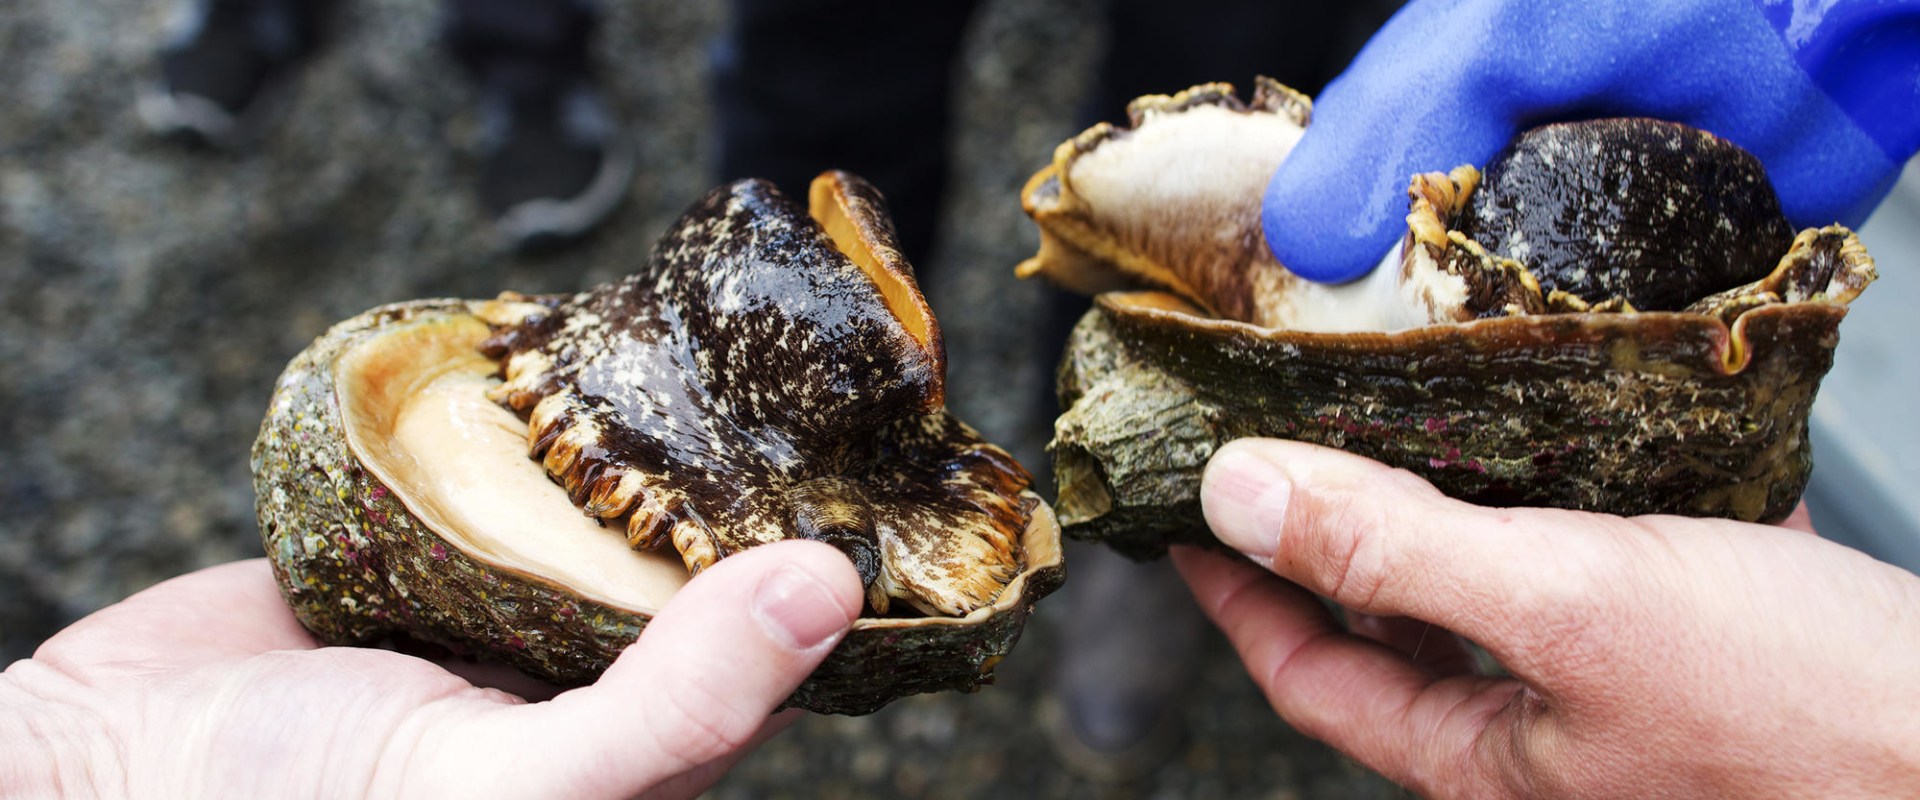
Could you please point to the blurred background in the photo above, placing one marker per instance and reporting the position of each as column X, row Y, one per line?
column 150, row 293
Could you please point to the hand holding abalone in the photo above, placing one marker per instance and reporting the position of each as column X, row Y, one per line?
column 770, row 373
column 1616, row 318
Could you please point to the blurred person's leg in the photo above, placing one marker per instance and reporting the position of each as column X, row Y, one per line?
column 554, row 164
column 226, row 65
column 1160, row 47
column 803, row 86
column 1120, row 687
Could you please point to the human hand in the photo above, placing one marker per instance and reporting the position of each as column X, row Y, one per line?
column 1651, row 656
column 206, row 686
column 1824, row 94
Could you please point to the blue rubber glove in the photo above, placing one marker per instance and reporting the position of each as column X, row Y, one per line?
column 1826, row 94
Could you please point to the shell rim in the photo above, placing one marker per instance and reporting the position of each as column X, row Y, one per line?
column 1731, row 342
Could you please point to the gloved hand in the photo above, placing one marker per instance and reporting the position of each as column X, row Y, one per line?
column 1828, row 99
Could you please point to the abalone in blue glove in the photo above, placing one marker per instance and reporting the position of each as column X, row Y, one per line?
column 1826, row 95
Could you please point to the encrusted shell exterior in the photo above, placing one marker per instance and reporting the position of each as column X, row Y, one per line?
column 359, row 567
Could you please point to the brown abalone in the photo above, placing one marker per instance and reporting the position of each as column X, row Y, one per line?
column 771, row 372
column 1454, row 359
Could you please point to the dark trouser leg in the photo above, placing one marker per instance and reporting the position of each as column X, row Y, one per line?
column 225, row 71
column 803, row 86
column 1160, row 47
column 519, row 37
column 554, row 165
column 300, row 27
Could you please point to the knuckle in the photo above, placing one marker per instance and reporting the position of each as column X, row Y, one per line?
column 1566, row 638
column 1580, row 594
column 1399, row 480
column 1356, row 562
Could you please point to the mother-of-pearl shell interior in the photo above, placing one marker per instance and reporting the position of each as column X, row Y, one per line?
column 414, row 406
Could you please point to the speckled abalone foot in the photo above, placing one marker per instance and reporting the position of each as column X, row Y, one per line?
column 771, row 372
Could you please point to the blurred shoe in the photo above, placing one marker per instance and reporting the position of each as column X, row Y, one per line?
column 554, row 163
column 1117, row 709
column 225, row 70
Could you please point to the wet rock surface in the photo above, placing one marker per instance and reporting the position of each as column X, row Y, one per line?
column 149, row 294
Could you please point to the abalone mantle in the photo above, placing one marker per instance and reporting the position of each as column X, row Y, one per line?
column 767, row 376
column 1450, row 360
column 1651, row 214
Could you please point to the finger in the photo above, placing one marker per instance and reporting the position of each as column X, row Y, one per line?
column 1364, row 699
column 1382, row 541
column 214, row 614
column 1432, row 647
column 698, row 686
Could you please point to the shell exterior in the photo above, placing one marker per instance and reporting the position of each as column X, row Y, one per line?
column 753, row 382
column 1500, row 391
column 358, row 565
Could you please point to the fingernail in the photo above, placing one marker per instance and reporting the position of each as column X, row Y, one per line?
column 797, row 609
column 1245, row 499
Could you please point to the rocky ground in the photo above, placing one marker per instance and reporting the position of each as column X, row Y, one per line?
column 149, row 295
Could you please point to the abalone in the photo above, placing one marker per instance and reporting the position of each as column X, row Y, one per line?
column 1506, row 374
column 770, row 372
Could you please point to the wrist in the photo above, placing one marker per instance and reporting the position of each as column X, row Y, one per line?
column 50, row 746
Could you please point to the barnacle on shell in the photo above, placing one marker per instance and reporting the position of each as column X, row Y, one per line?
column 1611, row 318
column 768, row 374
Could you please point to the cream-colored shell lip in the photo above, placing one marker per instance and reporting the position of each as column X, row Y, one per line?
column 397, row 391
column 392, row 386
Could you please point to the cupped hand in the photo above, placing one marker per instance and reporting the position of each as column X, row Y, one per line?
column 206, row 686
column 1651, row 656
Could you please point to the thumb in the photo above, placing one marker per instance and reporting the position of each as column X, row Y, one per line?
column 1382, row 541
column 702, row 680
